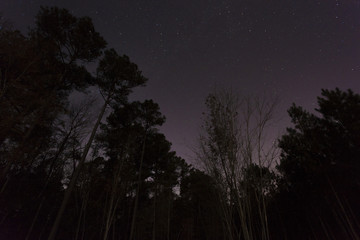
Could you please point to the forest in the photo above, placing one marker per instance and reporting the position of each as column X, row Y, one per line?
column 72, row 171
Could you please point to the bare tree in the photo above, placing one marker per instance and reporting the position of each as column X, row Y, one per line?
column 232, row 144
column 72, row 128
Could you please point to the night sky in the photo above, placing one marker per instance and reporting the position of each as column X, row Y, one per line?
column 285, row 48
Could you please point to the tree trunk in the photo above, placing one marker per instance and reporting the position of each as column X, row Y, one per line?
column 137, row 191
column 154, row 213
column 76, row 174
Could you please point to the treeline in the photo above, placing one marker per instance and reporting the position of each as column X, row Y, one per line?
column 66, row 174
column 310, row 190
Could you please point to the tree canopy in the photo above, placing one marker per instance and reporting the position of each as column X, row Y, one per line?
column 71, row 171
column 320, row 164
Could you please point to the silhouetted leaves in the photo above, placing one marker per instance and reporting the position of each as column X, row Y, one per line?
column 131, row 184
column 320, row 167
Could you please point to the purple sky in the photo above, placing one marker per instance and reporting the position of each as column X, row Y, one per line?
column 288, row 48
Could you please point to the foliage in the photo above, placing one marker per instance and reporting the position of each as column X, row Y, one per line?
column 128, row 183
column 319, row 166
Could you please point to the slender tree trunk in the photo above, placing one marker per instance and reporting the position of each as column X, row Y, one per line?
column 137, row 191
column 108, row 217
column 35, row 218
column 76, row 174
column 168, row 214
column 113, row 206
column 82, row 214
column 154, row 213
column 41, row 195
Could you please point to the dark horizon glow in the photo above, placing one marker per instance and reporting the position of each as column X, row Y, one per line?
column 284, row 48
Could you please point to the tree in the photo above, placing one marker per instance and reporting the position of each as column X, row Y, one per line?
column 69, row 37
column 37, row 74
column 128, row 125
column 196, row 208
column 233, row 140
column 23, row 96
column 116, row 76
column 319, row 166
column 151, row 118
column 59, row 161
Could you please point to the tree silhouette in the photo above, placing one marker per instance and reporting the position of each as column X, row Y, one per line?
column 319, row 165
column 116, row 76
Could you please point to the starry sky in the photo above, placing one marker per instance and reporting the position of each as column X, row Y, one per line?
column 285, row 48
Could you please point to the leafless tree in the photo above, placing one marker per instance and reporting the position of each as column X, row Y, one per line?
column 233, row 139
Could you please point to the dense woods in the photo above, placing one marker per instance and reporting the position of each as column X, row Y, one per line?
column 69, row 170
